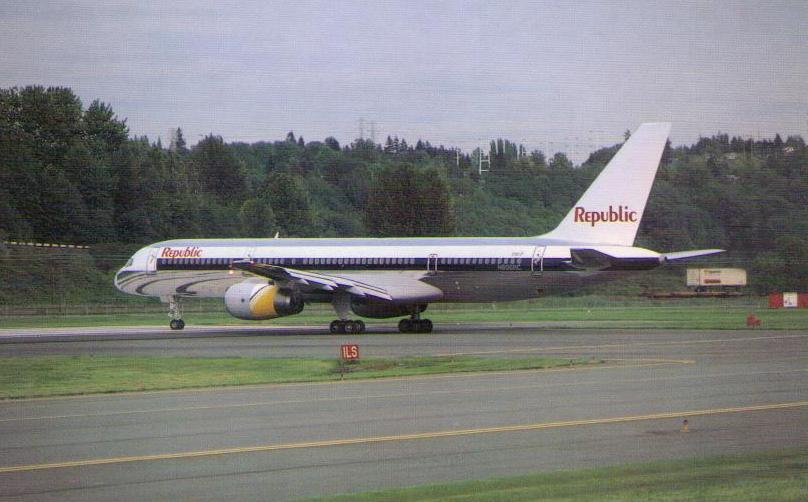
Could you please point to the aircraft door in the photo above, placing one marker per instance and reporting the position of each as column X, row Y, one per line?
column 537, row 263
column 151, row 261
column 432, row 264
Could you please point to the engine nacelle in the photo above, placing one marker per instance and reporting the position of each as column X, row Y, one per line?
column 381, row 310
column 256, row 301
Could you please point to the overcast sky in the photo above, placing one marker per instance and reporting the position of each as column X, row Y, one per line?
column 553, row 75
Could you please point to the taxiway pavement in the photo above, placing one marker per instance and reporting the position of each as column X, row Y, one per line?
column 740, row 391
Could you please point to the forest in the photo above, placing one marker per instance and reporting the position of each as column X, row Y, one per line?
column 72, row 174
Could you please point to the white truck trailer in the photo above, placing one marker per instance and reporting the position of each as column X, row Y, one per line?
column 702, row 278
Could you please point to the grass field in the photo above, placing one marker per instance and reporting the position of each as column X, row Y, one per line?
column 781, row 476
column 694, row 315
column 69, row 375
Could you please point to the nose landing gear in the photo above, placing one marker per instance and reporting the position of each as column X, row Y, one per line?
column 175, row 313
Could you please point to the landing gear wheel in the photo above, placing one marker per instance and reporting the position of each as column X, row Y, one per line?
column 415, row 326
column 176, row 324
column 341, row 327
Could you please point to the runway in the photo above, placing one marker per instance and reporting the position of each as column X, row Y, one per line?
column 741, row 391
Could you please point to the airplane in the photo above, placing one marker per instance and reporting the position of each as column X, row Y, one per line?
column 267, row 278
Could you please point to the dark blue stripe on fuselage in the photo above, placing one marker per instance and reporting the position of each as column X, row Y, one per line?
column 443, row 264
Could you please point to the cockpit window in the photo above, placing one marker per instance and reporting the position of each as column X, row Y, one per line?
column 130, row 262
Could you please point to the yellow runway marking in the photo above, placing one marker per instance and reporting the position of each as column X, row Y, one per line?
column 398, row 437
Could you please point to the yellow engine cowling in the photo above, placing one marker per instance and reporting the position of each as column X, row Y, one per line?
column 256, row 301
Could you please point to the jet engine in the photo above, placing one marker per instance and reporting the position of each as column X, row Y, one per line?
column 256, row 301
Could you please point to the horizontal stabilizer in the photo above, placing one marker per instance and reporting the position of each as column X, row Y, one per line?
column 694, row 253
column 612, row 259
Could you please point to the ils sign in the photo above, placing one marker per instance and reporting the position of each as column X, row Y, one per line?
column 349, row 352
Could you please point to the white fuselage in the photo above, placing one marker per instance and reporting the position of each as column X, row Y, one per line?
column 463, row 269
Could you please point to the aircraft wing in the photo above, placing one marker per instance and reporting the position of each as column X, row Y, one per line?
column 313, row 280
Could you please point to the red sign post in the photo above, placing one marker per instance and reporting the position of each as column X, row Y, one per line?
column 349, row 352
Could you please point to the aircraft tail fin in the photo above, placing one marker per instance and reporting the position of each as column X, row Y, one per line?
column 610, row 210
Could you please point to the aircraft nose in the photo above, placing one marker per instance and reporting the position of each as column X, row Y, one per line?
column 120, row 276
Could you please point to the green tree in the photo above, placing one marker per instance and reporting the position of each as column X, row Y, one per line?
column 290, row 204
column 560, row 161
column 219, row 172
column 178, row 144
column 257, row 218
column 405, row 201
column 103, row 128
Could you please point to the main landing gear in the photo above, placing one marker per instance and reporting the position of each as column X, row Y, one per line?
column 342, row 306
column 415, row 325
column 175, row 313
column 340, row 326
